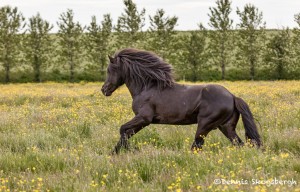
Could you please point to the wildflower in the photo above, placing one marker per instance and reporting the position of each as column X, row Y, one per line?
column 258, row 168
column 93, row 184
column 284, row 155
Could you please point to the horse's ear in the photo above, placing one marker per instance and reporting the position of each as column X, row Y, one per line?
column 111, row 59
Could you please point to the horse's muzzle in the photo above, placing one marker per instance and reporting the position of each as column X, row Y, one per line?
column 107, row 89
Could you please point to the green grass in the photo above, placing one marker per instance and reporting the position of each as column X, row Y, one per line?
column 58, row 137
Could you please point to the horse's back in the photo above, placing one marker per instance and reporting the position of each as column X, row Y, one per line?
column 215, row 91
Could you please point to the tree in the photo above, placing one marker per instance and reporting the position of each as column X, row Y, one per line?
column 97, row 42
column 11, row 24
column 251, row 33
column 278, row 52
column 162, row 33
column 193, row 52
column 38, row 44
column 296, row 43
column 129, row 26
column 220, row 39
column 70, row 40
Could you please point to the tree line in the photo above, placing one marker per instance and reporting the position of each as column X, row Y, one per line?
column 30, row 52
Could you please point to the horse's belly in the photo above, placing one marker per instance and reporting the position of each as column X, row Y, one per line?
column 175, row 119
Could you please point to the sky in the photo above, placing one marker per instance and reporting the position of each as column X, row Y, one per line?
column 276, row 13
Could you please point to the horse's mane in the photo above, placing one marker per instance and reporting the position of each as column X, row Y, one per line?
column 144, row 68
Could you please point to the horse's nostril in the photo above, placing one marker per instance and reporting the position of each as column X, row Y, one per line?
column 103, row 87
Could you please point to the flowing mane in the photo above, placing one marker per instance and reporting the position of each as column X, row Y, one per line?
column 144, row 68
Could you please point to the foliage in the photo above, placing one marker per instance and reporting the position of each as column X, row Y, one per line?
column 98, row 43
column 296, row 46
column 194, row 54
column 70, row 41
column 163, row 35
column 278, row 52
column 251, row 35
column 11, row 25
column 58, row 137
column 75, row 55
column 129, row 26
column 38, row 44
column 220, row 44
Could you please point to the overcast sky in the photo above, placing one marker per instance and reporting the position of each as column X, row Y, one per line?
column 277, row 13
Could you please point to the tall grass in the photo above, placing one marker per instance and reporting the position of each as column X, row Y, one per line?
column 58, row 137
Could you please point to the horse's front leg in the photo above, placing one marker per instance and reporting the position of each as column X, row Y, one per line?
column 129, row 129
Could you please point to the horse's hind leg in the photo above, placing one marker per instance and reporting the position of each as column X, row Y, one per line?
column 205, row 125
column 228, row 129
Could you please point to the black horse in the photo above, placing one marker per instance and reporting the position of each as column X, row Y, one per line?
column 158, row 99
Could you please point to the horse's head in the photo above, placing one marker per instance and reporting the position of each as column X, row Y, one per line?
column 114, row 78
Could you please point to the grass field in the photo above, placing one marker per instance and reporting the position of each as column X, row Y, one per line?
column 58, row 137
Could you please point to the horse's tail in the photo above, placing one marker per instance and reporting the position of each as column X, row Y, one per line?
column 248, row 121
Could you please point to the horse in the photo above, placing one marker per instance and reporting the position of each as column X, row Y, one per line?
column 158, row 99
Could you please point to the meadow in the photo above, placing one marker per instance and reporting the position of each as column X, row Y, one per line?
column 58, row 137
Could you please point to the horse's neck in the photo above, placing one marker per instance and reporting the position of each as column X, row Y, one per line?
column 132, row 89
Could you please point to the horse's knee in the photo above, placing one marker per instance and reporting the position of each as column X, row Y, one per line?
column 123, row 130
column 130, row 132
column 127, row 132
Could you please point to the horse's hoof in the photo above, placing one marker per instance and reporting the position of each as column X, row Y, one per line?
column 196, row 150
column 115, row 151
